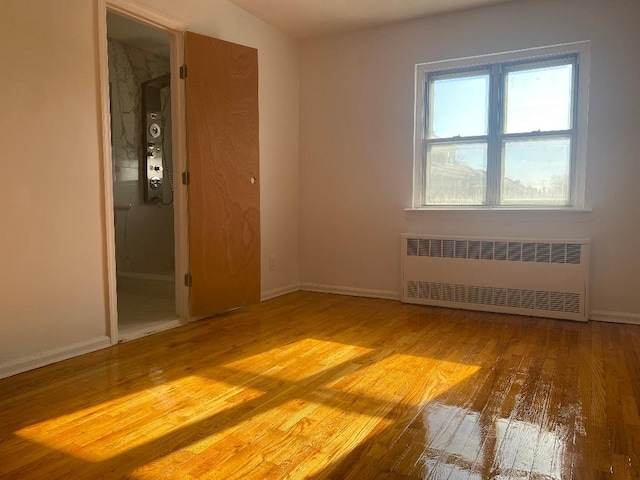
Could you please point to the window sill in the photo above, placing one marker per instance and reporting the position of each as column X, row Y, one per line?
column 505, row 213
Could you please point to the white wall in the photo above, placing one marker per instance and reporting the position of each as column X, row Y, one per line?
column 53, row 266
column 52, row 286
column 356, row 144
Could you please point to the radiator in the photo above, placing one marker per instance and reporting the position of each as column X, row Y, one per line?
column 543, row 278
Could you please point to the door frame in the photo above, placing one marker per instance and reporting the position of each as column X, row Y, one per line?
column 175, row 29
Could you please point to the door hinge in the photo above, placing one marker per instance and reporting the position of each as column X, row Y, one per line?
column 183, row 72
column 188, row 280
column 186, row 178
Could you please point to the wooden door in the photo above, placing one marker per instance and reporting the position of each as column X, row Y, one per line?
column 223, row 163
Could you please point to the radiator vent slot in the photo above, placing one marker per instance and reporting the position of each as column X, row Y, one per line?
column 495, row 250
column 546, row 278
column 497, row 296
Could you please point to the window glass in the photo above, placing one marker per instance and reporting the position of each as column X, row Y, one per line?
column 539, row 99
column 536, row 171
column 460, row 105
column 457, row 174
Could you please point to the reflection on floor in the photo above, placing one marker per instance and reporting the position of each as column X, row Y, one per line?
column 144, row 313
column 323, row 387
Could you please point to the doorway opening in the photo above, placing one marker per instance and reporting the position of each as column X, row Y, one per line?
column 144, row 197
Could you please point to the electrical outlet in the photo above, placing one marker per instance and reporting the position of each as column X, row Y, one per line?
column 272, row 262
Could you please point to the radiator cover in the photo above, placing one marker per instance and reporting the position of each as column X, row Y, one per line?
column 536, row 277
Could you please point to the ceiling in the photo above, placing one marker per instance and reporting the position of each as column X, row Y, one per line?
column 302, row 18
column 308, row 18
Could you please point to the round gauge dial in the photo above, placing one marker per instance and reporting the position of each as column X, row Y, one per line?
column 154, row 130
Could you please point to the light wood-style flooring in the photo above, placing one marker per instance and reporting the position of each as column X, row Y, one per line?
column 318, row 386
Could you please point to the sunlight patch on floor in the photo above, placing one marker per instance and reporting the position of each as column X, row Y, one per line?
column 130, row 421
column 266, row 407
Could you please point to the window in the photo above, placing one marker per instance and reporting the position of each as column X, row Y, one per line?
column 503, row 130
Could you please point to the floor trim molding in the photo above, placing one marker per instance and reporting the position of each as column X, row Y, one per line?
column 278, row 292
column 615, row 317
column 48, row 357
column 354, row 292
column 597, row 315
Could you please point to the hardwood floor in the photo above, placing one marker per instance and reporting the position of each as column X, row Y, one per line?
column 321, row 386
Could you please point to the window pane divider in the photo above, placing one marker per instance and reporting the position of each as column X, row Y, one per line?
column 538, row 134
column 474, row 139
column 494, row 147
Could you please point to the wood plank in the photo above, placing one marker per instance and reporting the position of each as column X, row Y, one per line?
column 323, row 386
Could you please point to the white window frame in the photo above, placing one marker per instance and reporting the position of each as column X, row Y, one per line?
column 578, row 160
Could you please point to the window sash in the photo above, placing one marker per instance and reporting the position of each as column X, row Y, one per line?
column 496, row 137
column 430, row 98
column 431, row 167
column 546, row 202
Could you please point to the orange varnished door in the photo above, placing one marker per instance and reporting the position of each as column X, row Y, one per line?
column 223, row 164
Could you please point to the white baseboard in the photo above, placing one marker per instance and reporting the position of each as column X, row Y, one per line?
column 38, row 360
column 277, row 292
column 615, row 317
column 354, row 292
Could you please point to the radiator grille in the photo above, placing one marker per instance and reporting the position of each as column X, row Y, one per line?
column 543, row 277
column 495, row 296
column 570, row 253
